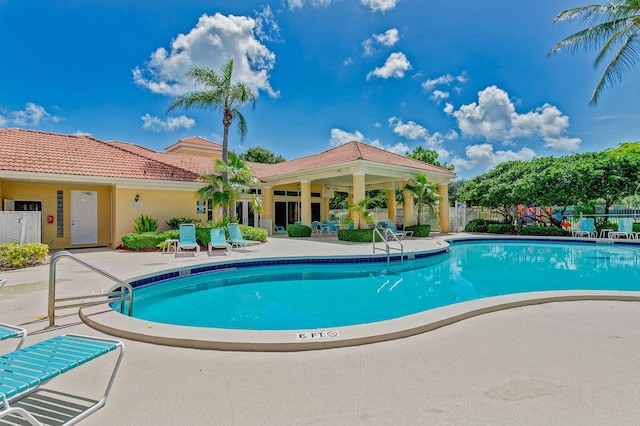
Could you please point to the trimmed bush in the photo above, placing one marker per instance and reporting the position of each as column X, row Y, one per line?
column 479, row 225
column 501, row 228
column 357, row 235
column 298, row 230
column 154, row 240
column 545, row 230
column 253, row 234
column 16, row 256
column 148, row 240
column 421, row 231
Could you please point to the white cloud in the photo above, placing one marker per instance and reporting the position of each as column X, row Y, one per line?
column 299, row 4
column 483, row 156
column 339, row 137
column 156, row 124
column 81, row 133
column 494, row 118
column 31, row 115
column 380, row 5
column 399, row 148
column 395, row 66
column 267, row 28
column 211, row 42
column 388, row 39
column 439, row 95
column 409, row 130
column 443, row 80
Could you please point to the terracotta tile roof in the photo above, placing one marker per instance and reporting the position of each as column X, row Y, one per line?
column 196, row 140
column 193, row 163
column 348, row 152
column 43, row 152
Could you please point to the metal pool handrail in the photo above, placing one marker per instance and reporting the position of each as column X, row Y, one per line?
column 387, row 231
column 124, row 293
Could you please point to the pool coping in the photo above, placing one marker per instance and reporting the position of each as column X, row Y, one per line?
column 108, row 321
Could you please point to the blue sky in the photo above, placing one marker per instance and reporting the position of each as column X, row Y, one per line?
column 470, row 79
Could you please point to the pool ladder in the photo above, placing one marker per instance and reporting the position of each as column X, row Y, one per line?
column 121, row 292
column 388, row 235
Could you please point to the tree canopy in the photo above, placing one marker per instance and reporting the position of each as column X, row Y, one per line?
column 258, row 154
column 427, row 155
column 579, row 179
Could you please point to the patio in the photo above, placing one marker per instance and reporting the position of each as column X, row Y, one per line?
column 557, row 363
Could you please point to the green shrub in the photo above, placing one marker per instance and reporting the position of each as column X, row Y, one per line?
column 545, row 230
column 357, row 235
column 254, row 234
column 479, row 225
column 145, row 223
column 220, row 223
column 15, row 256
column 421, row 231
column 298, row 230
column 148, row 240
column 175, row 222
column 501, row 228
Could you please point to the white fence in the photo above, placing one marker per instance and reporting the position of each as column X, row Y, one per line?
column 20, row 227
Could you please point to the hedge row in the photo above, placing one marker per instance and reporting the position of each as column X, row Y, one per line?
column 153, row 240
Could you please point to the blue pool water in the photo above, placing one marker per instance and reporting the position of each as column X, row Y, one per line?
column 309, row 296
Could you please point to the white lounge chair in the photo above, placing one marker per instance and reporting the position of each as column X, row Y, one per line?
column 236, row 240
column 218, row 241
column 8, row 331
column 23, row 371
column 625, row 229
column 188, row 239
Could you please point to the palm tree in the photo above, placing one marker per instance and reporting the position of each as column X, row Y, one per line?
column 361, row 212
column 223, row 192
column 610, row 25
column 218, row 94
column 424, row 193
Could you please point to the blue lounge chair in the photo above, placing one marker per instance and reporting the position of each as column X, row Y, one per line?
column 188, row 239
column 8, row 331
column 400, row 234
column 218, row 241
column 23, row 371
column 625, row 229
column 586, row 228
column 236, row 240
column 277, row 229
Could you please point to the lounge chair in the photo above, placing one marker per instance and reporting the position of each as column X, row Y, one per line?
column 218, row 241
column 23, row 371
column 8, row 331
column 2, row 281
column 236, row 240
column 400, row 234
column 625, row 229
column 277, row 229
column 188, row 239
column 586, row 228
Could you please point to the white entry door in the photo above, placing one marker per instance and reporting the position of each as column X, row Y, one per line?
column 84, row 217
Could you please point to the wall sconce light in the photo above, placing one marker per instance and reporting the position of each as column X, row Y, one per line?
column 136, row 198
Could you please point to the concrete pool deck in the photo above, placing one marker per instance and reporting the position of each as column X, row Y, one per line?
column 553, row 363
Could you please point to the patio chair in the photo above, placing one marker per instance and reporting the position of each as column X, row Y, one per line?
column 23, row 371
column 236, row 240
column 218, row 241
column 8, row 331
column 400, row 234
column 278, row 229
column 188, row 239
column 586, row 228
column 625, row 229
column 316, row 227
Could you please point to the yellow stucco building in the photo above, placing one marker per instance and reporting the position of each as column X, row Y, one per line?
column 89, row 192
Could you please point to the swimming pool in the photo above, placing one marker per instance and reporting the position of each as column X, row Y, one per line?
column 317, row 295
